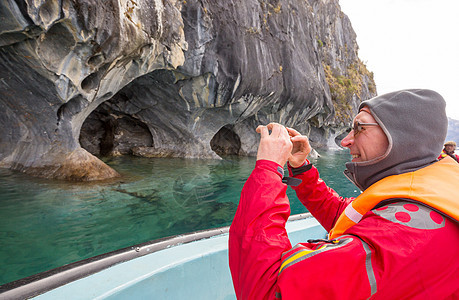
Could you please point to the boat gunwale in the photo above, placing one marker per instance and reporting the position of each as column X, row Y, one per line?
column 43, row 282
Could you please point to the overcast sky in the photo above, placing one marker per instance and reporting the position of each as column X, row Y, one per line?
column 409, row 44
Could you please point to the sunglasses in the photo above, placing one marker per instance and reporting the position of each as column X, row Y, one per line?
column 358, row 127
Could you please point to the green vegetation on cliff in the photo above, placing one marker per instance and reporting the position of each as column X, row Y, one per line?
column 343, row 88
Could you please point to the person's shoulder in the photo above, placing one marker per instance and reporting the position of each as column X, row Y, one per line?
column 413, row 215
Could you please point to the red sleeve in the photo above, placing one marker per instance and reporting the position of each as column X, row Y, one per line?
column 321, row 201
column 265, row 266
column 257, row 235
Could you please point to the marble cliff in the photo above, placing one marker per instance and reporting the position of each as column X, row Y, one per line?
column 80, row 79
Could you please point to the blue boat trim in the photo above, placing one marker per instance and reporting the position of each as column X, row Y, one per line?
column 43, row 282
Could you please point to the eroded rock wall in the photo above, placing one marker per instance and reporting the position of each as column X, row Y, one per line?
column 60, row 59
column 162, row 78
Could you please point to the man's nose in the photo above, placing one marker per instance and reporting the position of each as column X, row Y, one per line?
column 348, row 141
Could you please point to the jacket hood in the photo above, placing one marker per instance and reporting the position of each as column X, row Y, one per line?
column 415, row 124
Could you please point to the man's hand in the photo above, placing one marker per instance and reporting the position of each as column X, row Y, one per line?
column 301, row 148
column 276, row 146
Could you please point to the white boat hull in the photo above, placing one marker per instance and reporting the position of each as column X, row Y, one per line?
column 191, row 266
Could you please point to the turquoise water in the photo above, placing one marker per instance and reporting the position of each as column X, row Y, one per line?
column 45, row 224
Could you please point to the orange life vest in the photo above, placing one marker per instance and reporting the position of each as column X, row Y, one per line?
column 435, row 185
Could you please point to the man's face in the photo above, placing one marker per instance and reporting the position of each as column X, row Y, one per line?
column 450, row 148
column 369, row 143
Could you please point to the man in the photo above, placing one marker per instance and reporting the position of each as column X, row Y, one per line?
column 398, row 240
column 450, row 148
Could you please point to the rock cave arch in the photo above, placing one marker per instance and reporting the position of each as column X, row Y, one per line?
column 226, row 141
column 106, row 132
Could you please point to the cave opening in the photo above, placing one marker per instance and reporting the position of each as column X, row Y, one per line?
column 226, row 142
column 108, row 132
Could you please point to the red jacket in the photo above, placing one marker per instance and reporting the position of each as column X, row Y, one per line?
column 400, row 251
column 443, row 154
